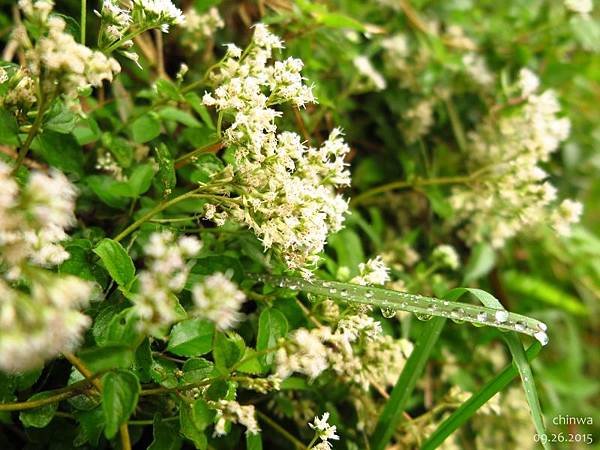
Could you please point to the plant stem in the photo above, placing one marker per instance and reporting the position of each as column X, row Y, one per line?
column 61, row 394
column 81, row 367
column 82, row 24
column 297, row 443
column 394, row 185
column 31, row 135
column 213, row 147
column 457, row 128
column 158, row 208
column 125, row 441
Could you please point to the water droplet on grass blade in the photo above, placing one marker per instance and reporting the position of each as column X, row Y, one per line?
column 541, row 337
column 388, row 313
column 501, row 316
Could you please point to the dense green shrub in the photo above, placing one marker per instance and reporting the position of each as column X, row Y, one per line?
column 271, row 224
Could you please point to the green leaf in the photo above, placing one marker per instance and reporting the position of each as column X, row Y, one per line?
column 163, row 371
column 193, row 419
column 191, row 338
column 60, row 119
column 39, row 417
column 99, row 359
column 392, row 412
column 116, row 261
column 120, row 393
column 59, row 150
column 91, row 423
column 196, row 370
column 348, row 248
column 145, row 128
column 538, row 289
column 481, row 261
column 195, row 102
column 251, row 363
column 140, row 180
column 254, row 441
column 123, row 328
column 86, row 131
column 476, row 401
column 168, row 89
column 212, row 264
column 177, row 115
column 166, row 435
column 166, row 169
column 9, row 129
column 120, row 148
column 272, row 325
column 105, row 188
column 228, row 350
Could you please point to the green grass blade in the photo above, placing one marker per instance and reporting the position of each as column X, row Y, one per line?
column 387, row 299
column 459, row 417
column 519, row 358
column 392, row 412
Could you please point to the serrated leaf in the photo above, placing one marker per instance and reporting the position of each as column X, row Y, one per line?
column 116, row 261
column 120, row 392
column 272, row 325
column 196, row 370
column 91, row 426
column 191, row 338
column 251, row 363
column 193, row 419
column 165, row 435
column 228, row 350
column 39, row 417
column 145, row 129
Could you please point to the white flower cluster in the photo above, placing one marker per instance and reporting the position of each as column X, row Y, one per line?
column 38, row 324
column 583, row 7
column 20, row 90
column 156, row 14
column 373, row 272
column 324, row 431
column 446, row 256
column 166, row 274
column 65, row 65
column 198, row 27
column 512, row 194
column 477, row 69
column 218, row 299
column 286, row 190
column 357, row 351
column 366, row 69
column 33, row 219
column 121, row 22
column 418, row 119
column 305, row 353
column 232, row 411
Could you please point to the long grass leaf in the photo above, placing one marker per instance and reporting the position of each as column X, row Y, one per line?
column 424, row 307
column 459, row 417
column 519, row 358
column 392, row 412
